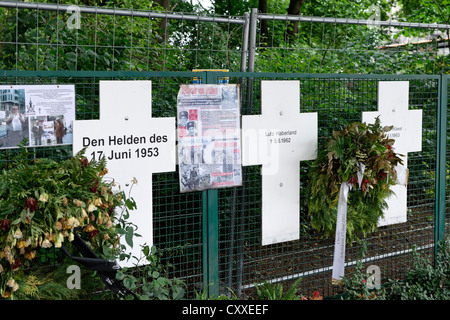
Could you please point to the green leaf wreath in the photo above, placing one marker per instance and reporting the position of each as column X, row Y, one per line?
column 339, row 161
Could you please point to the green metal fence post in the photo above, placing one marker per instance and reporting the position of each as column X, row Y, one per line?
column 211, row 230
column 441, row 161
column 210, row 243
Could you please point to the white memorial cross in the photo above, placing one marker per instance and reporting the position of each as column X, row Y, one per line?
column 393, row 98
column 279, row 139
column 134, row 144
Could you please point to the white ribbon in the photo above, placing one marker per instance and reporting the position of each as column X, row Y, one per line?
column 340, row 238
column 360, row 173
column 341, row 228
column 402, row 174
column 341, row 222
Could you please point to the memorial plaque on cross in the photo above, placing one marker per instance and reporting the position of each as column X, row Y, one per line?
column 278, row 140
column 393, row 98
column 134, row 144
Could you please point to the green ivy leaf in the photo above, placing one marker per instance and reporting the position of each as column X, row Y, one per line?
column 129, row 236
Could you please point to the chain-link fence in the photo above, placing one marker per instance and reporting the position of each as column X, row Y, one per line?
column 38, row 47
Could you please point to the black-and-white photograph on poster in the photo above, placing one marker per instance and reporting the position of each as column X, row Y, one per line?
column 209, row 146
column 41, row 114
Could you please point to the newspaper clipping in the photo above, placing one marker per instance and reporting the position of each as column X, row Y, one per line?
column 209, row 146
column 43, row 114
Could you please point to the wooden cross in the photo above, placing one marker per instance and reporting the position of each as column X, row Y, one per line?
column 393, row 98
column 134, row 144
column 279, row 139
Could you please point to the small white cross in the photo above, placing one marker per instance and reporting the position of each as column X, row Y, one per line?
column 393, row 98
column 135, row 146
column 279, row 139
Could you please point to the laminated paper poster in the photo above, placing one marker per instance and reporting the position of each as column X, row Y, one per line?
column 209, row 145
column 41, row 113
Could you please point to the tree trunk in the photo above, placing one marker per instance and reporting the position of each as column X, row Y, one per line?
column 264, row 39
column 163, row 23
column 294, row 9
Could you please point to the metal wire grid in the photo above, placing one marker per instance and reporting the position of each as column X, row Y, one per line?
column 177, row 218
column 343, row 46
column 39, row 37
column 245, row 263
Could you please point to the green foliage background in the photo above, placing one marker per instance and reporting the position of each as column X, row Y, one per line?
column 41, row 40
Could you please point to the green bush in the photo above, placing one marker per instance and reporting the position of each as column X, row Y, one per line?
column 150, row 281
column 424, row 281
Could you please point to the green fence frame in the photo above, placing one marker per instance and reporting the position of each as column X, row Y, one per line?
column 211, row 251
column 441, row 175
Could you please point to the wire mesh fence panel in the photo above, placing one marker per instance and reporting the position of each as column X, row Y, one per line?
column 328, row 45
column 45, row 37
column 243, row 261
column 177, row 218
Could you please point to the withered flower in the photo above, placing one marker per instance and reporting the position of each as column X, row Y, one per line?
column 21, row 244
column 72, row 222
column 104, row 171
column 98, row 202
column 46, row 244
column 58, row 225
column 18, row 234
column 30, row 255
column 5, row 225
column 16, row 265
column 93, row 234
column 31, row 204
column 28, row 218
column 89, row 228
column 78, row 203
column 43, row 197
column 84, row 162
column 95, row 187
column 91, row 208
